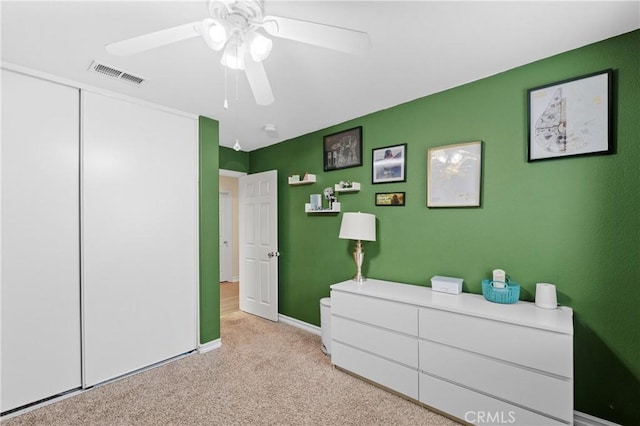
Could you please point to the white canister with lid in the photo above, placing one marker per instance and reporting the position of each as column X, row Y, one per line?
column 546, row 296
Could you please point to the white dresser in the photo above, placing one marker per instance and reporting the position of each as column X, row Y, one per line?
column 477, row 361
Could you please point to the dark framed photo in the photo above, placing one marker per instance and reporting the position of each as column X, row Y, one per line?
column 343, row 149
column 571, row 117
column 393, row 199
column 389, row 164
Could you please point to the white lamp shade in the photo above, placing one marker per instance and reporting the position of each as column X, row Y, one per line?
column 215, row 33
column 218, row 33
column 233, row 56
column 358, row 226
column 259, row 46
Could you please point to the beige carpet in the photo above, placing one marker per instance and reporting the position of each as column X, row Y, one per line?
column 265, row 374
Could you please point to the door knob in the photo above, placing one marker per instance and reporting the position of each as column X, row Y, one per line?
column 273, row 254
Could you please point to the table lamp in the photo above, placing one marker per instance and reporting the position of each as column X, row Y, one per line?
column 358, row 227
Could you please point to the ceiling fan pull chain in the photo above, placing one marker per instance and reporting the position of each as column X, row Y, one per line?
column 237, row 59
column 237, row 146
column 226, row 104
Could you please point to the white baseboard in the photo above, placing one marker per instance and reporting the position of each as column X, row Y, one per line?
column 582, row 419
column 209, row 346
column 300, row 324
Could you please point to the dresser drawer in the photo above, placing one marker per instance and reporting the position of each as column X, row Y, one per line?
column 539, row 349
column 384, row 372
column 474, row 407
column 383, row 313
column 521, row 386
column 378, row 341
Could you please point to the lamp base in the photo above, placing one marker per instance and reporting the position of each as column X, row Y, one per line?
column 358, row 257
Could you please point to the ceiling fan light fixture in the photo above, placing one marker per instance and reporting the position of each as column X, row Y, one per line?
column 233, row 56
column 259, row 46
column 218, row 33
column 215, row 33
column 232, row 28
column 271, row 26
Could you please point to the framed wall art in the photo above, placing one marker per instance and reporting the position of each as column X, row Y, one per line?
column 389, row 164
column 571, row 118
column 343, row 149
column 454, row 174
column 393, row 199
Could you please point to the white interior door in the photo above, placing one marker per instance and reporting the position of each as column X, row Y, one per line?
column 139, row 226
column 259, row 244
column 225, row 237
column 40, row 240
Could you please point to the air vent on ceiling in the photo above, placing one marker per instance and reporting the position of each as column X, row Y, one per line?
column 112, row 72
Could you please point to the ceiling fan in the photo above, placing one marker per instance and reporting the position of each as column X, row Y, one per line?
column 234, row 26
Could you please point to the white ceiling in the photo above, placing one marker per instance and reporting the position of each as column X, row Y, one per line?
column 418, row 48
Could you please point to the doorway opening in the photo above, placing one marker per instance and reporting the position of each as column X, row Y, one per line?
column 229, row 297
column 229, row 246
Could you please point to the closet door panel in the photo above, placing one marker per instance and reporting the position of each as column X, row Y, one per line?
column 40, row 240
column 139, row 236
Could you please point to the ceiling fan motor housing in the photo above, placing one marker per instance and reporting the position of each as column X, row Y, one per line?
column 241, row 15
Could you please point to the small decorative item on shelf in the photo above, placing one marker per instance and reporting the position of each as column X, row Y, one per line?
column 316, row 201
column 335, row 208
column 306, row 180
column 509, row 293
column 330, row 197
column 347, row 186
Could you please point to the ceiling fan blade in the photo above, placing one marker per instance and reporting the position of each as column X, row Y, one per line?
column 152, row 40
column 258, row 81
column 337, row 38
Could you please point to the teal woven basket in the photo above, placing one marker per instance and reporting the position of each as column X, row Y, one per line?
column 509, row 294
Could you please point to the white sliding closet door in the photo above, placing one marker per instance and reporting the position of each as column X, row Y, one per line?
column 40, row 240
column 139, row 189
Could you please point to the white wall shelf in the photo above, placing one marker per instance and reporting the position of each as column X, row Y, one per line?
column 308, row 180
column 335, row 209
column 355, row 187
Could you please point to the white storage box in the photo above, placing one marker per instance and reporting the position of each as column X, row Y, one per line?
column 446, row 284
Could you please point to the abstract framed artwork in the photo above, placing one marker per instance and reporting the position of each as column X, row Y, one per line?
column 389, row 164
column 571, row 117
column 343, row 149
column 454, row 174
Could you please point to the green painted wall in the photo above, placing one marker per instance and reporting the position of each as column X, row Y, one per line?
column 209, row 256
column 574, row 222
column 231, row 159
